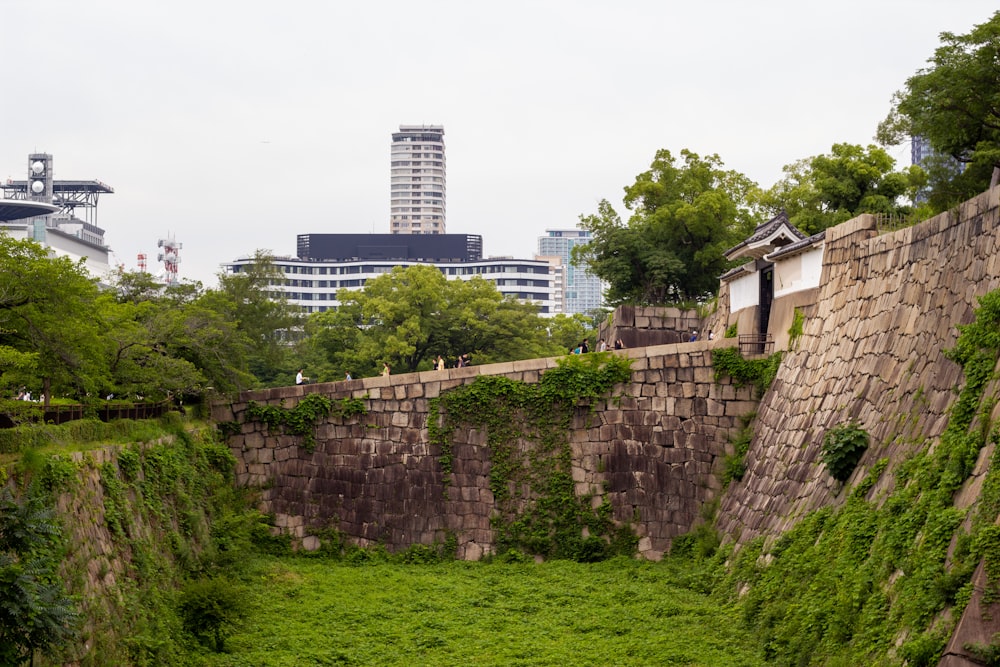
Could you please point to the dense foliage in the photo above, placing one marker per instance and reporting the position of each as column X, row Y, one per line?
column 64, row 337
column 760, row 373
column 955, row 105
column 618, row 612
column 826, row 190
column 843, row 447
column 671, row 249
column 408, row 317
column 35, row 612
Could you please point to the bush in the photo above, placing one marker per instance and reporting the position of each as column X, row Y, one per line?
column 211, row 609
column 843, row 447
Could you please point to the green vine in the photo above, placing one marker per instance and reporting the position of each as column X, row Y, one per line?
column 794, row 331
column 828, row 591
column 302, row 419
column 757, row 372
column 734, row 464
column 526, row 427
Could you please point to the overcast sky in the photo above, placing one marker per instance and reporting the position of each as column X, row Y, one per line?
column 236, row 125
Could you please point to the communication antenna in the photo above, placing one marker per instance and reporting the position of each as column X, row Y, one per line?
column 170, row 258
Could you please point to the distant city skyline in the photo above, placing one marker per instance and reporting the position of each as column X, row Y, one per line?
column 232, row 127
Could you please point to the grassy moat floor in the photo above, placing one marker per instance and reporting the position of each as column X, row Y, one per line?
column 620, row 612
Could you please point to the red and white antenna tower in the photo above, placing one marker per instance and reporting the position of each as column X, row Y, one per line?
column 142, row 261
column 170, row 258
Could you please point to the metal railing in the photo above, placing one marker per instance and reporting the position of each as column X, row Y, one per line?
column 751, row 344
column 60, row 414
column 886, row 222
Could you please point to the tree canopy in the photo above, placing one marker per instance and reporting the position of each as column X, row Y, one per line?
column 409, row 316
column 671, row 249
column 63, row 336
column 955, row 105
column 826, row 190
column 49, row 335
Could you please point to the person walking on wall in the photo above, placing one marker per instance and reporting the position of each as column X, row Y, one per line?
column 439, row 364
column 602, row 346
column 300, row 378
column 385, row 370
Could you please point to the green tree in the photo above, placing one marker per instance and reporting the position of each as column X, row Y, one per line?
column 671, row 250
column 47, row 307
column 142, row 348
column 173, row 339
column 261, row 312
column 566, row 331
column 955, row 104
column 408, row 317
column 825, row 190
column 35, row 613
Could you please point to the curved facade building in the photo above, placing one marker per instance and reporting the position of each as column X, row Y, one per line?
column 418, row 182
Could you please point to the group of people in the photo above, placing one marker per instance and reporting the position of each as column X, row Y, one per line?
column 461, row 361
column 464, row 360
column 602, row 346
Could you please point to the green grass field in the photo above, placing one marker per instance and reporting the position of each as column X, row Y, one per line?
column 620, row 612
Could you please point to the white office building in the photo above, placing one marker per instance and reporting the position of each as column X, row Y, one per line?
column 418, row 180
column 582, row 292
column 312, row 285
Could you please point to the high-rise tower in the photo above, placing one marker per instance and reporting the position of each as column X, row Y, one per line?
column 583, row 292
column 418, row 180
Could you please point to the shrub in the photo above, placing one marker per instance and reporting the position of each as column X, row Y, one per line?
column 211, row 609
column 842, row 449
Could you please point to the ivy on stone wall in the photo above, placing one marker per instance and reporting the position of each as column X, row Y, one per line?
column 302, row 419
column 757, row 372
column 891, row 575
column 795, row 330
column 527, row 428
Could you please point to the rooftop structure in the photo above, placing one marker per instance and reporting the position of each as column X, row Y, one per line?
column 443, row 247
column 14, row 209
column 45, row 210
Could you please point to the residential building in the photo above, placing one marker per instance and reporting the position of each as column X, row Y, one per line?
column 418, row 180
column 583, row 292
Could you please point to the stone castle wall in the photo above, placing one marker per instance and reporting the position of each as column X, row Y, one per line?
column 655, row 454
column 640, row 326
column 872, row 350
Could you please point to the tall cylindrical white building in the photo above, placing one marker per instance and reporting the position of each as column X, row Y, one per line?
column 418, row 185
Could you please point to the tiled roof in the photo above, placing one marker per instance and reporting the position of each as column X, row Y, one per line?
column 763, row 232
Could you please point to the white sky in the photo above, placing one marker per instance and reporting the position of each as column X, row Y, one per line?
column 236, row 125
